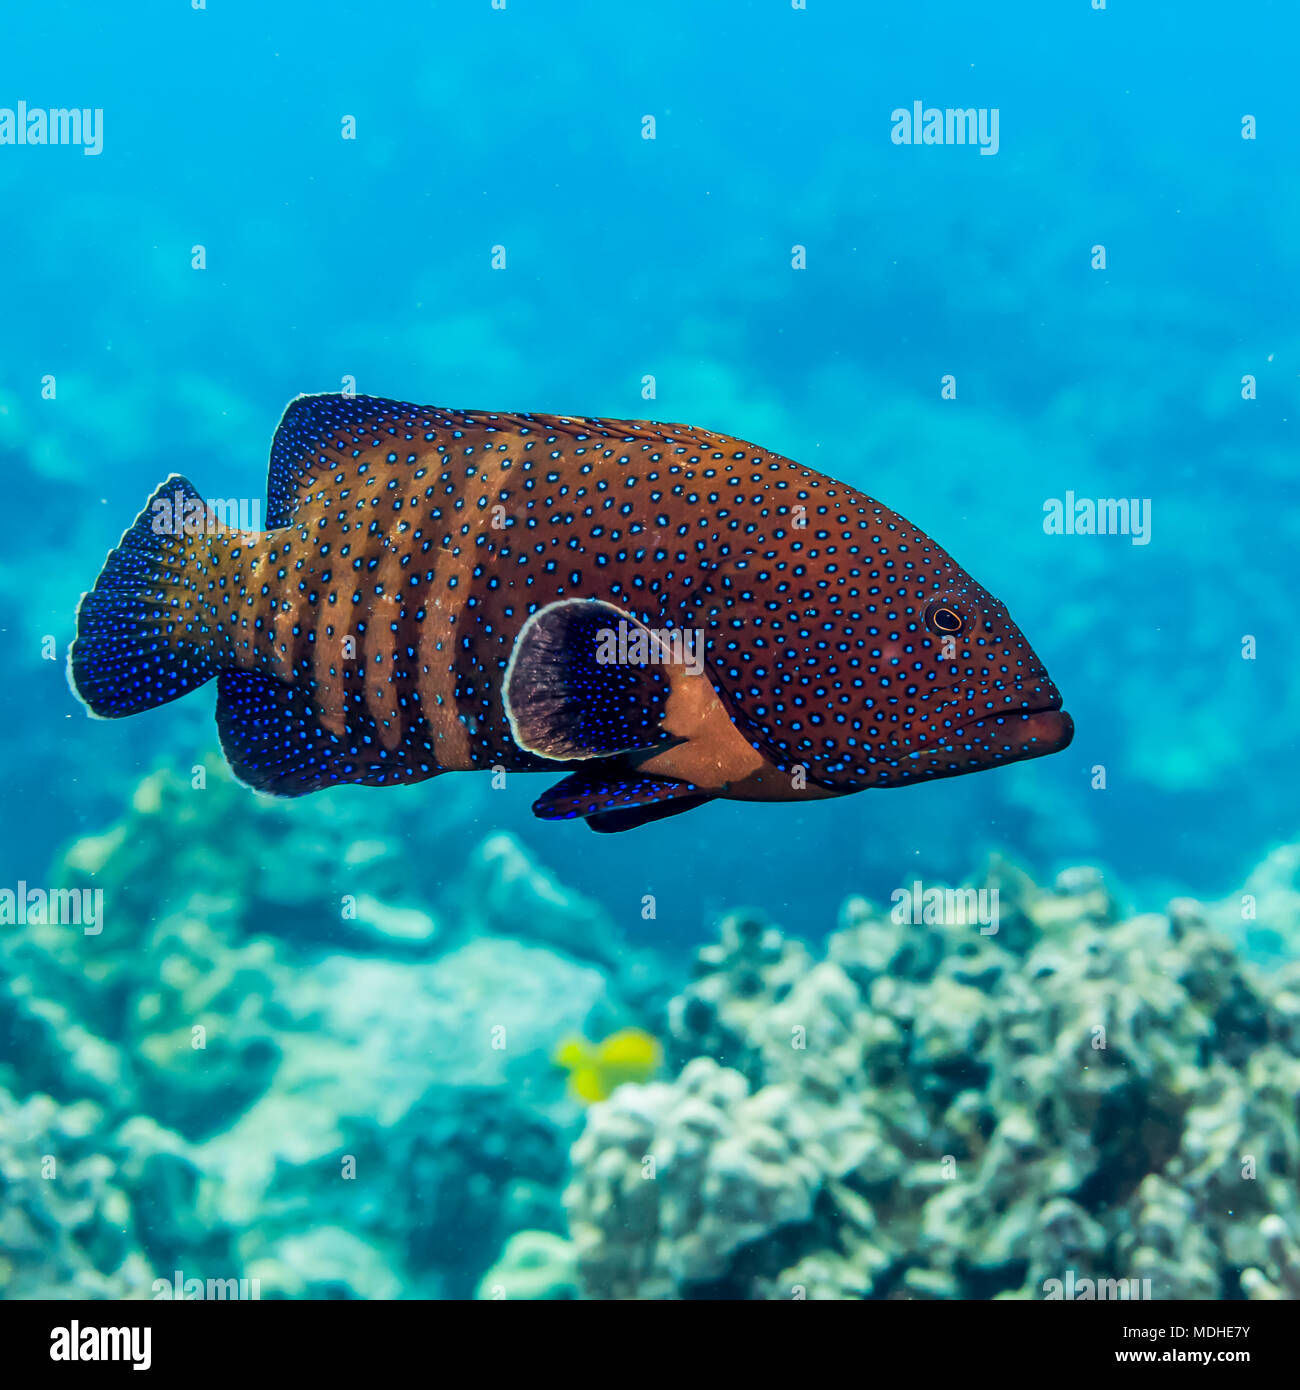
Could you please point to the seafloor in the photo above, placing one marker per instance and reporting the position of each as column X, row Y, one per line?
column 249, row 1075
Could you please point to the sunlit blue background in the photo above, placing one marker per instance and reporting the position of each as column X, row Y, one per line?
column 370, row 259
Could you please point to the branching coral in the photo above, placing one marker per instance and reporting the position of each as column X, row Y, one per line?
column 933, row 1111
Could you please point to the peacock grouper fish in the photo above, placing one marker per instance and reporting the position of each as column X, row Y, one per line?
column 665, row 614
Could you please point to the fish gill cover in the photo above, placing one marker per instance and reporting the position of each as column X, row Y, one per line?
column 680, row 457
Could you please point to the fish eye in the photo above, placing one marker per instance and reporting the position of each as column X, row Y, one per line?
column 940, row 618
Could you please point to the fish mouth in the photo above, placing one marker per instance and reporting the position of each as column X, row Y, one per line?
column 1046, row 730
column 1003, row 722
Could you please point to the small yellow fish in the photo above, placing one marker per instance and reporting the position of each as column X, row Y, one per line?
column 597, row 1069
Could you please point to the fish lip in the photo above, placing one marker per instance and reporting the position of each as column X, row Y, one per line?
column 1053, row 730
column 1051, row 727
column 967, row 695
column 1052, row 706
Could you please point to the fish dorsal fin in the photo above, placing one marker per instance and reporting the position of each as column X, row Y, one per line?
column 319, row 434
column 586, row 680
column 309, row 426
column 616, row 798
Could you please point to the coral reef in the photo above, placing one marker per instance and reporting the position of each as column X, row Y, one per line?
column 930, row 1111
column 282, row 1058
column 341, row 1082
column 62, row 1214
column 534, row 1265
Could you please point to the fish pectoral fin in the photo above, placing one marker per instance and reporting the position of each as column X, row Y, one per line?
column 617, row 798
column 585, row 680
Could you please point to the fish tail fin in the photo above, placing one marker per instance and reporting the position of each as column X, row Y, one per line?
column 145, row 633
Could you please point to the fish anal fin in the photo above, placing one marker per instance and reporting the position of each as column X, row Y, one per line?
column 274, row 740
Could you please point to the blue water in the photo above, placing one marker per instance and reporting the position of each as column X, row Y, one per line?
column 367, row 262
column 371, row 259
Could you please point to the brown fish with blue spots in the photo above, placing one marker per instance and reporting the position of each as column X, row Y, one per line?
column 665, row 614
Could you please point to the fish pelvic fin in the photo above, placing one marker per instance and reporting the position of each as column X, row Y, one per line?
column 612, row 797
column 630, row 817
column 146, row 633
